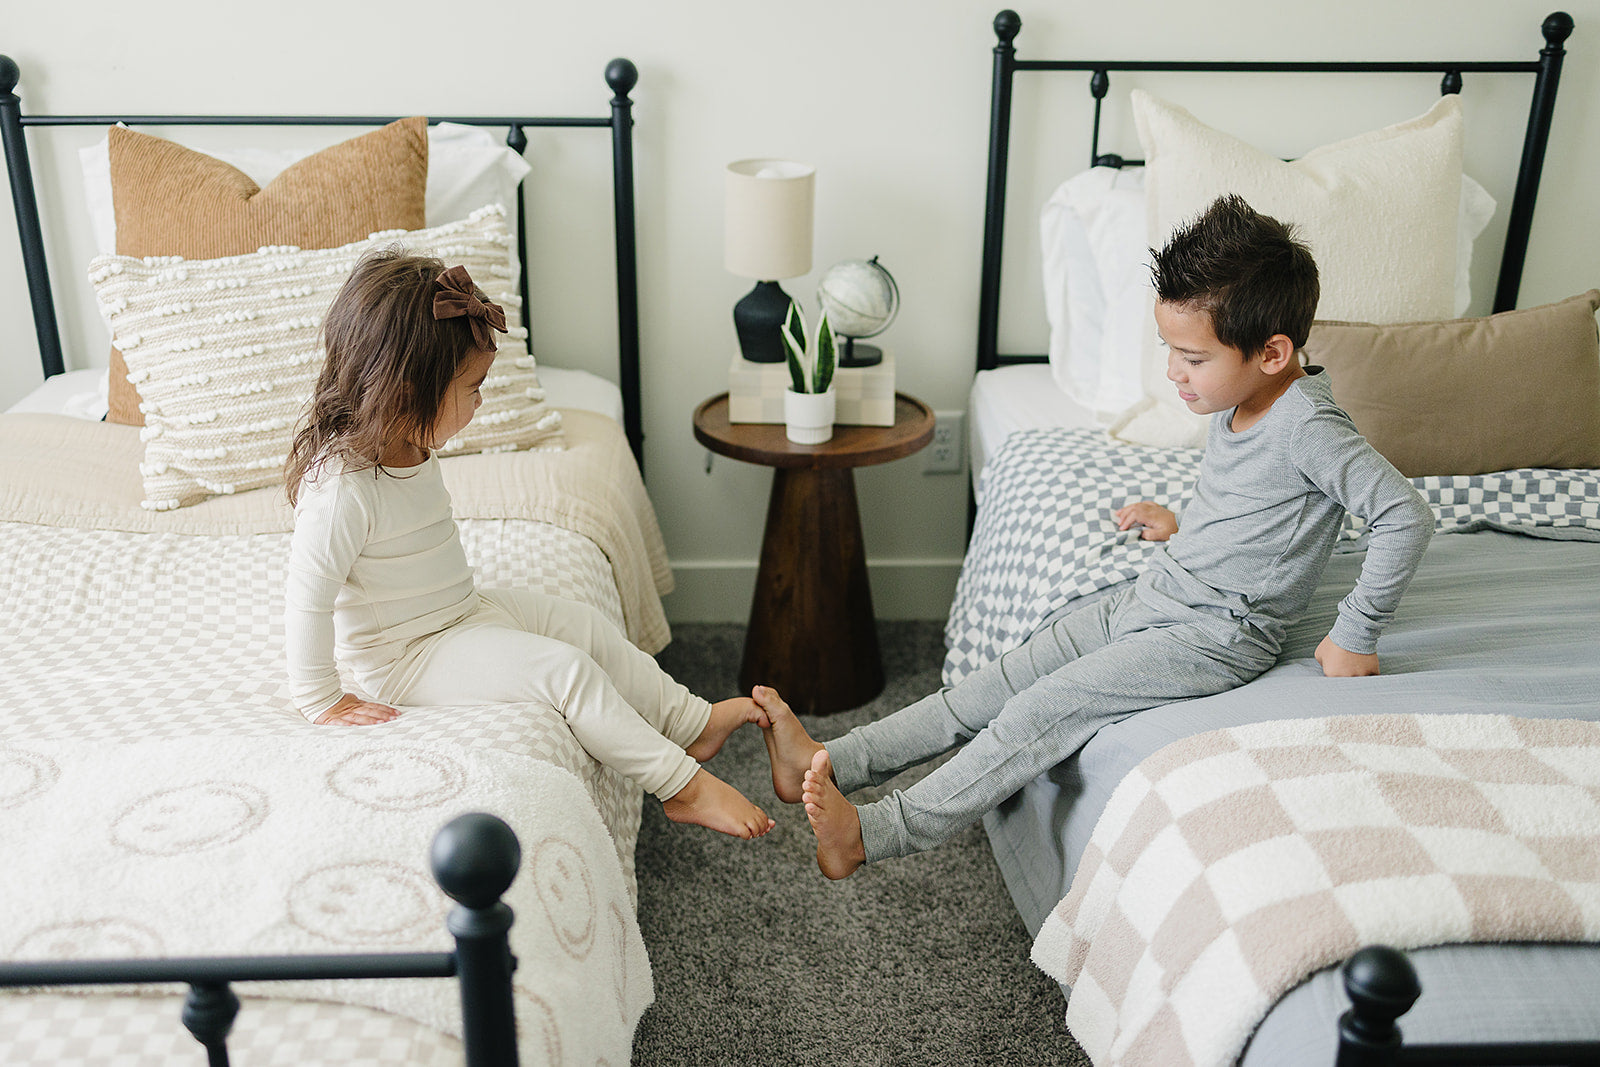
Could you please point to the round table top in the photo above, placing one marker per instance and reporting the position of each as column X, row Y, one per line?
column 766, row 443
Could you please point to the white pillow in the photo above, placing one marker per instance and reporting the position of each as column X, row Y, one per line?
column 1096, row 273
column 1378, row 210
column 225, row 353
column 467, row 168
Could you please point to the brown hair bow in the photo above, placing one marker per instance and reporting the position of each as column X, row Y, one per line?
column 457, row 296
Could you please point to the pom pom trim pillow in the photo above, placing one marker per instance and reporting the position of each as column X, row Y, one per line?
column 169, row 200
column 225, row 354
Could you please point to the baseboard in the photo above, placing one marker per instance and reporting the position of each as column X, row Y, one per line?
column 717, row 591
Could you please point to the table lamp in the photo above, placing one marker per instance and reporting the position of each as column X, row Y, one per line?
column 766, row 236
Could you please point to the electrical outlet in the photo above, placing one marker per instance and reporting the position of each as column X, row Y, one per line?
column 944, row 451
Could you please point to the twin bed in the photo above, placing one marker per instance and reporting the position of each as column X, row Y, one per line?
column 159, row 795
column 1197, row 872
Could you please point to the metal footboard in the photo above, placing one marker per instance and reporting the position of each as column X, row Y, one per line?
column 474, row 859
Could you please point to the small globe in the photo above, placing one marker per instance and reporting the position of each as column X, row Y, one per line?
column 860, row 297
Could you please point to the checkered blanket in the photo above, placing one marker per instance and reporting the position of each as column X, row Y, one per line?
column 124, row 628
column 1229, row 866
column 1046, row 534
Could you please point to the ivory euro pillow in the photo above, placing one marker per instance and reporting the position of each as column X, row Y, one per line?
column 226, row 352
column 1096, row 270
column 1378, row 211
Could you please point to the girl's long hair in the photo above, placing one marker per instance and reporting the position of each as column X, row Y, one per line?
column 389, row 363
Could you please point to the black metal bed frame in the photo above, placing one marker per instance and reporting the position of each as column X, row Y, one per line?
column 1007, row 24
column 474, row 858
column 620, row 74
column 1381, row 983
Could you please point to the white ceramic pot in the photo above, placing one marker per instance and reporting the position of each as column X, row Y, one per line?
column 808, row 417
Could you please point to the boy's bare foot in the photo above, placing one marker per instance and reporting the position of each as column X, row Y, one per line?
column 710, row 802
column 726, row 717
column 833, row 820
column 789, row 747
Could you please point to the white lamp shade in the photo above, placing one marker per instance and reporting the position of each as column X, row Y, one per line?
column 767, row 218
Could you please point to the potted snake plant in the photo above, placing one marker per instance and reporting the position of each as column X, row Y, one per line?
column 808, row 402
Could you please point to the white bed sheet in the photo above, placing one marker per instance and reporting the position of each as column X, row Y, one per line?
column 1024, row 396
column 82, row 393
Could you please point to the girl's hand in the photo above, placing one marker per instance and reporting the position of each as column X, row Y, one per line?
column 1342, row 663
column 352, row 711
column 1159, row 523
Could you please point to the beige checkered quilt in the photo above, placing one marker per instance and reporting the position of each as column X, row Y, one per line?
column 1229, row 866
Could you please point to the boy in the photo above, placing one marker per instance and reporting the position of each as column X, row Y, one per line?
column 1235, row 294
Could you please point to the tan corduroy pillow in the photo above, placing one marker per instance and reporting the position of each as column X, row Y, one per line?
column 1469, row 396
column 173, row 201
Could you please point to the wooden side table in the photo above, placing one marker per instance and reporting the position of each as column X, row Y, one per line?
column 812, row 634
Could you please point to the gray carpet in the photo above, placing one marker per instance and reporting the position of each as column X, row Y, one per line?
column 758, row 959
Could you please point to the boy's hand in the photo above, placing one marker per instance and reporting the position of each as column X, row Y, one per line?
column 1342, row 663
column 352, row 711
column 1159, row 523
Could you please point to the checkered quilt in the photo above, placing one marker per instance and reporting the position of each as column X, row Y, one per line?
column 1046, row 534
column 1229, row 866
column 154, row 638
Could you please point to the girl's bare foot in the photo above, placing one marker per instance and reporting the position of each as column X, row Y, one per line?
column 834, row 821
column 789, row 747
column 710, row 802
column 726, row 717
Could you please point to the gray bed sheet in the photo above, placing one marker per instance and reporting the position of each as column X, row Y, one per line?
column 1493, row 623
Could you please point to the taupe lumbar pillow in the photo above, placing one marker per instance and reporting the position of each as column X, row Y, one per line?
column 1469, row 396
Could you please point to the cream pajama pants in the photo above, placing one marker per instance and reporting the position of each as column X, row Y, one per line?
column 520, row 647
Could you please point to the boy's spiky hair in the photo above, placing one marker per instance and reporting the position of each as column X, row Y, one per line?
column 1248, row 271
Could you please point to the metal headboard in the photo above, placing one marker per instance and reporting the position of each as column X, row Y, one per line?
column 620, row 74
column 1007, row 24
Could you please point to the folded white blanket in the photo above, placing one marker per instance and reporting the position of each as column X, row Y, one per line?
column 318, row 844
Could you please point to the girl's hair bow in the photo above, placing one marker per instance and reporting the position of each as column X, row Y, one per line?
column 457, row 296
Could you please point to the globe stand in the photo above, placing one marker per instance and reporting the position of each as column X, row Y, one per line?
column 854, row 355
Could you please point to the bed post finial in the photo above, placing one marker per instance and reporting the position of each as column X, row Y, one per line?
column 10, row 73
column 622, row 76
column 1557, row 28
column 1008, row 24
column 474, row 858
column 1382, row 985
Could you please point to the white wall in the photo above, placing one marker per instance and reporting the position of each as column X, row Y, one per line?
column 888, row 99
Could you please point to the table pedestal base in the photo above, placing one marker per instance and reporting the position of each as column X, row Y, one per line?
column 812, row 634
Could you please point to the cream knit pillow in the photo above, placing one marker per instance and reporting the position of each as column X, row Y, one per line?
column 225, row 353
column 1378, row 211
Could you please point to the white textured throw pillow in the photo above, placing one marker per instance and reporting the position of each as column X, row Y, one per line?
column 1378, row 211
column 1096, row 270
column 226, row 352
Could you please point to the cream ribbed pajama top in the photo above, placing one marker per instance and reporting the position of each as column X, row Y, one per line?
column 378, row 580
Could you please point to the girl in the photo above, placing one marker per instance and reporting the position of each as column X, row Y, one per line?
column 377, row 571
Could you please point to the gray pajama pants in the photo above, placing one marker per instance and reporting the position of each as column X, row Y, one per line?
column 1020, row 715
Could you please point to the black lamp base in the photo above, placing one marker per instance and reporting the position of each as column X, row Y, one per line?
column 852, row 354
column 758, row 319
